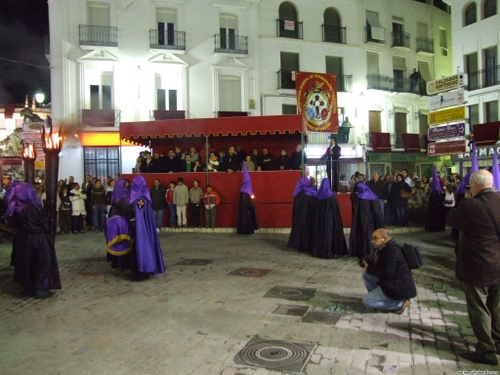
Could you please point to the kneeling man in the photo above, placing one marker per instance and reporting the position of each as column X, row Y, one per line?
column 387, row 277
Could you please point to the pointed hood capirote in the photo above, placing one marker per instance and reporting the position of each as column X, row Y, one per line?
column 435, row 184
column 139, row 189
column 246, row 187
column 474, row 167
column 304, row 185
column 364, row 192
column 120, row 191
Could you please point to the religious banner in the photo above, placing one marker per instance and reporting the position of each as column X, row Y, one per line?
column 317, row 101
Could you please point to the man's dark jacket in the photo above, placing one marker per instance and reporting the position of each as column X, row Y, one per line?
column 379, row 188
column 478, row 253
column 158, row 198
column 389, row 265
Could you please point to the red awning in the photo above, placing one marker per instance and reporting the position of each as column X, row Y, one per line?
column 228, row 126
column 487, row 134
column 411, row 142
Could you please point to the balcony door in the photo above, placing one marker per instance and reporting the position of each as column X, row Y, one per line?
column 471, row 67
column 229, row 93
column 490, row 67
column 289, row 66
column 400, row 127
column 98, row 14
column 334, row 65
column 375, row 122
column 228, row 30
column 288, row 20
column 332, row 32
column 166, row 20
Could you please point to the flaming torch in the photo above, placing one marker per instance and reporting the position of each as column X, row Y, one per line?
column 51, row 144
column 29, row 156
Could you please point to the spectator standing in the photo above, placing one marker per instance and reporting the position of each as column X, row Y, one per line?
column 109, row 195
column 298, row 158
column 65, row 211
column 78, row 212
column 478, row 264
column 98, row 201
column 378, row 187
column 188, row 164
column 157, row 194
column 233, row 161
column 169, row 199
column 284, row 161
column 181, row 200
column 195, row 200
column 266, row 160
column 222, row 161
column 213, row 163
column 210, row 199
column 249, row 163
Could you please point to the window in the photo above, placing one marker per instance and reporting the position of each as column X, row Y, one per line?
column 288, row 109
column 372, row 63
column 161, row 100
column 489, row 8
column 228, row 30
column 332, row 30
column 470, row 14
column 398, row 36
column 289, row 65
column 101, row 162
column 166, row 20
column 229, row 93
column 334, row 65
column 375, row 123
column 98, row 14
column 490, row 77
column 374, row 30
column 473, row 116
column 399, row 71
column 471, row 68
column 288, row 21
column 423, row 124
column 100, row 97
column 400, row 127
column 443, row 41
column 491, row 111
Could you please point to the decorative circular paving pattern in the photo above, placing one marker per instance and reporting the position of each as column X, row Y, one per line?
column 275, row 355
column 250, row 272
column 290, row 293
column 194, row 262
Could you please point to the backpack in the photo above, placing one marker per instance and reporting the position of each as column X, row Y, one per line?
column 412, row 255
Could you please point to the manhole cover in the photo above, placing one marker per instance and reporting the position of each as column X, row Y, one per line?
column 291, row 293
column 250, row 272
column 274, row 355
column 321, row 317
column 291, row 310
column 194, row 262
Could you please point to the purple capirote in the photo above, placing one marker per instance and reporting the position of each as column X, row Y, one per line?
column 23, row 194
column 495, row 171
column 364, row 192
column 435, row 184
column 120, row 191
column 324, row 191
column 139, row 189
column 246, row 187
column 304, row 185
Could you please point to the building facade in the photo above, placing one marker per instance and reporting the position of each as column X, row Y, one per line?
column 114, row 61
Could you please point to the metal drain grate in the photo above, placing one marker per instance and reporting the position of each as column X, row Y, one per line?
column 290, row 293
column 194, row 262
column 250, row 272
column 321, row 317
column 291, row 310
column 274, row 355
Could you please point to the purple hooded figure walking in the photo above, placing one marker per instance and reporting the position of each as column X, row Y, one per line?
column 247, row 220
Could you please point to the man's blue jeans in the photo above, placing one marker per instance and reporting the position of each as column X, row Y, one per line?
column 376, row 299
column 173, row 215
column 98, row 213
column 158, row 215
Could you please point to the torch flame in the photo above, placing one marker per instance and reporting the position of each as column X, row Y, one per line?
column 29, row 152
column 52, row 141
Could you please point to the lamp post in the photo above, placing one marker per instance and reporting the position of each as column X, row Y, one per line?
column 51, row 144
column 29, row 157
column 39, row 97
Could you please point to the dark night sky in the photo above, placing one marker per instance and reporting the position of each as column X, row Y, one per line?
column 23, row 26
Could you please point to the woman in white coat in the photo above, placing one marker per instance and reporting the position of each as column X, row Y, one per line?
column 77, row 197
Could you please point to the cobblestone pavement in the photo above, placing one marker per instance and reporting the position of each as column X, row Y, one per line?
column 195, row 319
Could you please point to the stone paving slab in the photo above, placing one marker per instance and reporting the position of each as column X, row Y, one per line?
column 193, row 320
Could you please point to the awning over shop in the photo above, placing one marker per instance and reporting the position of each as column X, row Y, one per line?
column 228, row 126
column 487, row 134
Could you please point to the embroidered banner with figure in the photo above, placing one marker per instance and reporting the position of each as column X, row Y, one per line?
column 317, row 101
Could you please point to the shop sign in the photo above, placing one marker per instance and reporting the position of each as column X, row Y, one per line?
column 446, row 148
column 446, row 84
column 447, row 115
column 442, row 132
column 374, row 157
column 448, row 99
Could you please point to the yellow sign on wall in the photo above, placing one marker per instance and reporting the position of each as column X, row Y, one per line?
column 448, row 115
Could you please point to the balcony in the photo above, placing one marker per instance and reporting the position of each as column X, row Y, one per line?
column 425, row 45
column 286, row 79
column 403, row 85
column 167, row 39
column 378, row 37
column 289, row 29
column 401, row 40
column 233, row 44
column 102, row 36
column 100, row 117
column 481, row 79
column 334, row 34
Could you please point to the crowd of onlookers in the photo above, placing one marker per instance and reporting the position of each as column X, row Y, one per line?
column 400, row 208
column 177, row 160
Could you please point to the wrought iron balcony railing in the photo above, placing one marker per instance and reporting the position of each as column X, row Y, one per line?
column 401, row 39
column 334, row 34
column 484, row 78
column 289, row 29
column 286, row 79
column 92, row 35
column 167, row 39
column 227, row 43
column 386, row 83
column 425, row 45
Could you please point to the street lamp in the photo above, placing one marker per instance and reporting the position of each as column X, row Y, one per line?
column 39, row 97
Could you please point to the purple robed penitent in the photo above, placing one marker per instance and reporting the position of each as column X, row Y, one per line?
column 436, row 183
column 20, row 195
column 364, row 192
column 304, row 185
column 147, row 243
column 120, row 191
column 118, row 239
column 495, row 171
column 324, row 191
column 474, row 167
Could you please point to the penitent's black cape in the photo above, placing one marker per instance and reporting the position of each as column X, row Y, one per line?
column 327, row 231
column 304, row 212
column 367, row 218
column 435, row 220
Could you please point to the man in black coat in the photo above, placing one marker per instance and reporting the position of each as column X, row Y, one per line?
column 332, row 157
column 387, row 277
column 478, row 263
column 232, row 161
